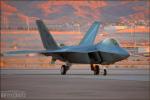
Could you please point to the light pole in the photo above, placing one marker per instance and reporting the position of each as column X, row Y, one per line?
column 27, row 22
column 133, row 36
column 78, row 27
column 5, row 22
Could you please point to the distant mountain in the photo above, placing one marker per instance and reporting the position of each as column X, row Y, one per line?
column 14, row 13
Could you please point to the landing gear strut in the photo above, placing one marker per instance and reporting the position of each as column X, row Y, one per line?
column 65, row 68
column 95, row 69
column 105, row 72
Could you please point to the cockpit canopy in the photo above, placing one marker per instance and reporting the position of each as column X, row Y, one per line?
column 110, row 42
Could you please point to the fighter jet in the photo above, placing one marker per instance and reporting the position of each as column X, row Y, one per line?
column 105, row 52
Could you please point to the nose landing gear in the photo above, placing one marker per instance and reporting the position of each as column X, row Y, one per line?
column 65, row 68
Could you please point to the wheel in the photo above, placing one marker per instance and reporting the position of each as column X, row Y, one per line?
column 92, row 67
column 96, row 70
column 105, row 72
column 63, row 70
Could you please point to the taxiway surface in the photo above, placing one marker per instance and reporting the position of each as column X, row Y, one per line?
column 123, row 84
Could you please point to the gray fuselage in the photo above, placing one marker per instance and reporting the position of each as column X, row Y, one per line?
column 105, row 52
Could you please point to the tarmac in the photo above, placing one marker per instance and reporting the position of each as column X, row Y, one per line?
column 119, row 84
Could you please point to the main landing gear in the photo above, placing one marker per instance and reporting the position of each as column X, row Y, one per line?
column 105, row 72
column 96, row 70
column 65, row 68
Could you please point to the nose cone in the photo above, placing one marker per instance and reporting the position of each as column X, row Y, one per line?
column 124, row 54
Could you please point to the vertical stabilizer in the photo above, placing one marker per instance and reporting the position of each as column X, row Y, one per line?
column 47, row 39
column 89, row 37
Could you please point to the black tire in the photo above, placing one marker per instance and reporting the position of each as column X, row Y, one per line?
column 105, row 72
column 63, row 70
column 96, row 70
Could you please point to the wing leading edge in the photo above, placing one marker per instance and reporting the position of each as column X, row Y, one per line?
column 51, row 52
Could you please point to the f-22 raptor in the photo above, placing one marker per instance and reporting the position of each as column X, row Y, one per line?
column 107, row 51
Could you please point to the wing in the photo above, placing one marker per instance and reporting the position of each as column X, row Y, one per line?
column 67, row 49
column 60, row 54
column 24, row 52
column 53, row 53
